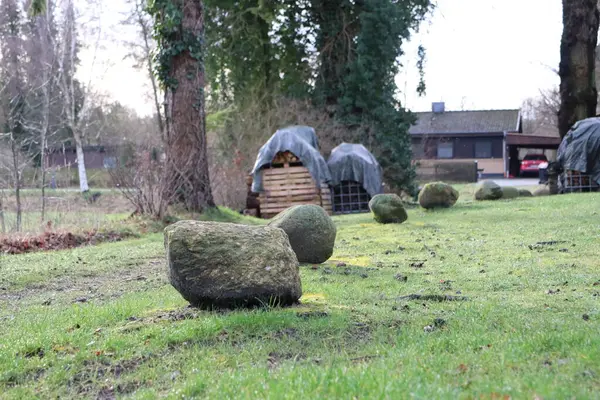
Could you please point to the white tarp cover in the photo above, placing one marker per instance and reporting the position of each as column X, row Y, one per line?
column 580, row 148
column 303, row 143
column 353, row 162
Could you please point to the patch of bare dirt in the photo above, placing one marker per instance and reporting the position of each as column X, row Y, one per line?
column 94, row 371
column 83, row 289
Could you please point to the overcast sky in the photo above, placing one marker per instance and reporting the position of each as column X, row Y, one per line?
column 481, row 54
column 486, row 54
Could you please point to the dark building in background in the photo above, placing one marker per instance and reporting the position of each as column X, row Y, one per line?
column 490, row 137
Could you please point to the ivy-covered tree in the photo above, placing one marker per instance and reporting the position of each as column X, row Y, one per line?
column 256, row 50
column 179, row 66
column 359, row 43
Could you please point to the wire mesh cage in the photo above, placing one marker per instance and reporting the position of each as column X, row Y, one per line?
column 350, row 197
column 575, row 181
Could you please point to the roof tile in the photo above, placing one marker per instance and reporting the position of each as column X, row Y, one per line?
column 456, row 122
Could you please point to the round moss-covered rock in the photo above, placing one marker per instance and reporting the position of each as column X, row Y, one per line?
column 310, row 230
column 525, row 193
column 437, row 195
column 542, row 191
column 228, row 265
column 487, row 190
column 388, row 208
column 509, row 192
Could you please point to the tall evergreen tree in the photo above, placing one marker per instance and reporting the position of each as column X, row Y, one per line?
column 41, row 75
column 13, row 93
column 359, row 43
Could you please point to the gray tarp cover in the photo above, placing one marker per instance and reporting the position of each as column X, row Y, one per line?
column 580, row 149
column 300, row 140
column 353, row 162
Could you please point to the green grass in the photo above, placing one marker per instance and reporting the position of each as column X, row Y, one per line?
column 224, row 214
column 103, row 321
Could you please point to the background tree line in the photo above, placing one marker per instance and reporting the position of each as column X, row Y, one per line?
column 252, row 66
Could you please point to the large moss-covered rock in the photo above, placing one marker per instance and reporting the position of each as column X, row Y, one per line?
column 509, row 192
column 437, row 195
column 542, row 191
column 525, row 193
column 310, row 230
column 488, row 190
column 388, row 208
column 225, row 265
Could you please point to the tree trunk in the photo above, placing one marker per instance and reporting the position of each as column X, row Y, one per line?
column 43, row 173
column 335, row 48
column 187, row 162
column 46, row 65
column 148, row 53
column 17, row 178
column 74, row 119
column 2, row 223
column 577, row 61
column 83, row 182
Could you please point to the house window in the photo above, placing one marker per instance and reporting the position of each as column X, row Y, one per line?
column 110, row 162
column 418, row 150
column 483, row 149
column 445, row 150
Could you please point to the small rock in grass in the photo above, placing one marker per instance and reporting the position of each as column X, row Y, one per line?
column 388, row 208
column 509, row 192
column 488, row 190
column 525, row 193
column 439, row 322
column 437, row 195
column 310, row 230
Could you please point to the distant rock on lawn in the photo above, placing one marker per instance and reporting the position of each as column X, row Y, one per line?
column 227, row 265
column 525, row 193
column 509, row 192
column 437, row 195
column 542, row 191
column 388, row 208
column 488, row 190
column 310, row 230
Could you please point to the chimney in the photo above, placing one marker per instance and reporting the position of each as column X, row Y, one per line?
column 438, row 108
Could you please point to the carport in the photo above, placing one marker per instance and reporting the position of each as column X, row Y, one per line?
column 515, row 141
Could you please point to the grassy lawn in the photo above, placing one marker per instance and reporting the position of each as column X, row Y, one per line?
column 103, row 322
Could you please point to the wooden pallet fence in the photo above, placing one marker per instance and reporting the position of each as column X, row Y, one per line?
column 289, row 186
